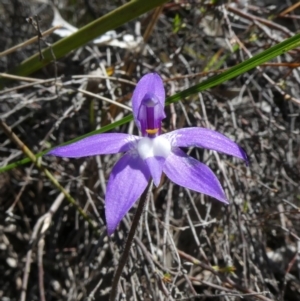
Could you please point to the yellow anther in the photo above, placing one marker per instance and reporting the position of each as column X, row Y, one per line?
column 152, row 131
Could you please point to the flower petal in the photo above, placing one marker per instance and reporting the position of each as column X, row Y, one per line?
column 190, row 173
column 108, row 143
column 202, row 137
column 149, row 85
column 126, row 183
column 155, row 165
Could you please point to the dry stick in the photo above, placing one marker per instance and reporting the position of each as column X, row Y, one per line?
column 112, row 78
column 289, row 9
column 41, row 245
column 276, row 86
column 22, row 78
column 146, row 36
column 261, row 20
column 154, row 18
column 40, row 36
column 212, row 72
column 59, row 84
column 39, row 229
column 34, row 21
column 28, row 42
column 152, row 261
column 217, row 295
column 8, row 131
column 123, row 259
column 10, row 210
column 26, row 85
column 245, row 290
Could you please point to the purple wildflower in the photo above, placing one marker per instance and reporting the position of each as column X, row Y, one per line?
column 152, row 154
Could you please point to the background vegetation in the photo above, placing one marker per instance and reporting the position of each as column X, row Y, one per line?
column 188, row 246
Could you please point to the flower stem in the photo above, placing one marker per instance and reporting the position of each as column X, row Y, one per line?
column 143, row 199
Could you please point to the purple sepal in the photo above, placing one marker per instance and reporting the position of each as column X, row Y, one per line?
column 192, row 174
column 205, row 138
column 100, row 144
column 127, row 181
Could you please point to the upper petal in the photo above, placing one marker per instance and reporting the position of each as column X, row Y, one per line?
column 150, row 85
column 127, row 181
column 108, row 143
column 190, row 173
column 202, row 137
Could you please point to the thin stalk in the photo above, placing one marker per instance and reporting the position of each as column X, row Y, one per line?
column 144, row 198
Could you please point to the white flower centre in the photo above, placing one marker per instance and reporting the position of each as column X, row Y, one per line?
column 153, row 147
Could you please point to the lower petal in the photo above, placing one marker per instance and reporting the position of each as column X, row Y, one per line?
column 190, row 173
column 127, row 181
column 155, row 165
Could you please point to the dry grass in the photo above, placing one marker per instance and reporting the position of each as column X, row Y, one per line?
column 188, row 246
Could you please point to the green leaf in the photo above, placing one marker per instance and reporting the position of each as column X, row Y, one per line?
column 177, row 23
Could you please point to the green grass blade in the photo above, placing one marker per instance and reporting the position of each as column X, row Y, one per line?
column 239, row 69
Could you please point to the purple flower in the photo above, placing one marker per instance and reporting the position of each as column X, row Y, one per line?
column 152, row 154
